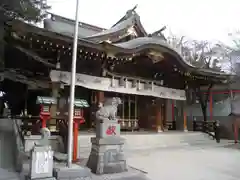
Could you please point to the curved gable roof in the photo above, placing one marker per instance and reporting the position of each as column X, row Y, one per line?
column 130, row 23
column 139, row 27
column 134, row 46
column 115, row 33
column 65, row 26
column 154, row 43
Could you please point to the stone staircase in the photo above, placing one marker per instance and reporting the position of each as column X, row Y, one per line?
column 7, row 146
column 7, row 150
column 150, row 141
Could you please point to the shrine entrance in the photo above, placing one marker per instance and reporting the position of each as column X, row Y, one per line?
column 152, row 113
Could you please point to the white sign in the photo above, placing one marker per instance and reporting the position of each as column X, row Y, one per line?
column 114, row 85
column 43, row 162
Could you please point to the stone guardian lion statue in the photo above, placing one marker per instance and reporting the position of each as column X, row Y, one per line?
column 108, row 111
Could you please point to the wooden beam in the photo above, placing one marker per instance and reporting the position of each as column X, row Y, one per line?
column 36, row 57
column 32, row 83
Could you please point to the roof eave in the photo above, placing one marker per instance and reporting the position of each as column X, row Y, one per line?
column 26, row 28
column 140, row 27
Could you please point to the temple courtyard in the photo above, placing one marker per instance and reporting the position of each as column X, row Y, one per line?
column 189, row 163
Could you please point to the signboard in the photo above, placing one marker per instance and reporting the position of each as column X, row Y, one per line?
column 111, row 130
column 114, row 85
column 107, row 129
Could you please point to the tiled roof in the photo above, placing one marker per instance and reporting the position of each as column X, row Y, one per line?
column 137, row 45
column 65, row 26
column 81, row 24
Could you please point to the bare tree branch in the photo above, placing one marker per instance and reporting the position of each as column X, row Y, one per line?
column 202, row 54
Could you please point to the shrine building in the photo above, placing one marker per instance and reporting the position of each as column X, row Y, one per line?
column 150, row 77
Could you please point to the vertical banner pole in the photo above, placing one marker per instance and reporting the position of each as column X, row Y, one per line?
column 72, row 90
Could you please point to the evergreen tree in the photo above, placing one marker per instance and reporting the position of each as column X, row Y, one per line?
column 27, row 10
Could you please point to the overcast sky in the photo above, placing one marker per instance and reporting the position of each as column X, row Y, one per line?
column 199, row 19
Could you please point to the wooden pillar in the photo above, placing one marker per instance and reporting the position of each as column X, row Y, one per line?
column 211, row 106
column 100, row 94
column 173, row 115
column 129, row 113
column 136, row 118
column 185, row 121
column 185, row 117
column 100, row 98
column 53, row 110
column 75, row 140
column 123, row 106
column 236, row 127
column 159, row 123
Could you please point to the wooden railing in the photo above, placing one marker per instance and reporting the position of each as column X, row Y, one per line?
column 212, row 128
column 31, row 125
column 129, row 124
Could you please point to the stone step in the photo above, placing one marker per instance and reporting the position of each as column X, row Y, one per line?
column 8, row 175
column 7, row 144
column 133, row 152
column 150, row 139
column 154, row 141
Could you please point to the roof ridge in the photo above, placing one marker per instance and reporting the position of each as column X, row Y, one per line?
column 83, row 24
column 129, row 13
column 135, row 16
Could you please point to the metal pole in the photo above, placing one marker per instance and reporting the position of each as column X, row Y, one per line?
column 72, row 90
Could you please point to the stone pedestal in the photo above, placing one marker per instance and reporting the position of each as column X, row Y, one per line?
column 107, row 155
column 41, row 166
column 108, row 129
column 76, row 172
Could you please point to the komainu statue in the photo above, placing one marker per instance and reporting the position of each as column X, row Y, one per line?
column 108, row 111
column 45, row 135
column 107, row 154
